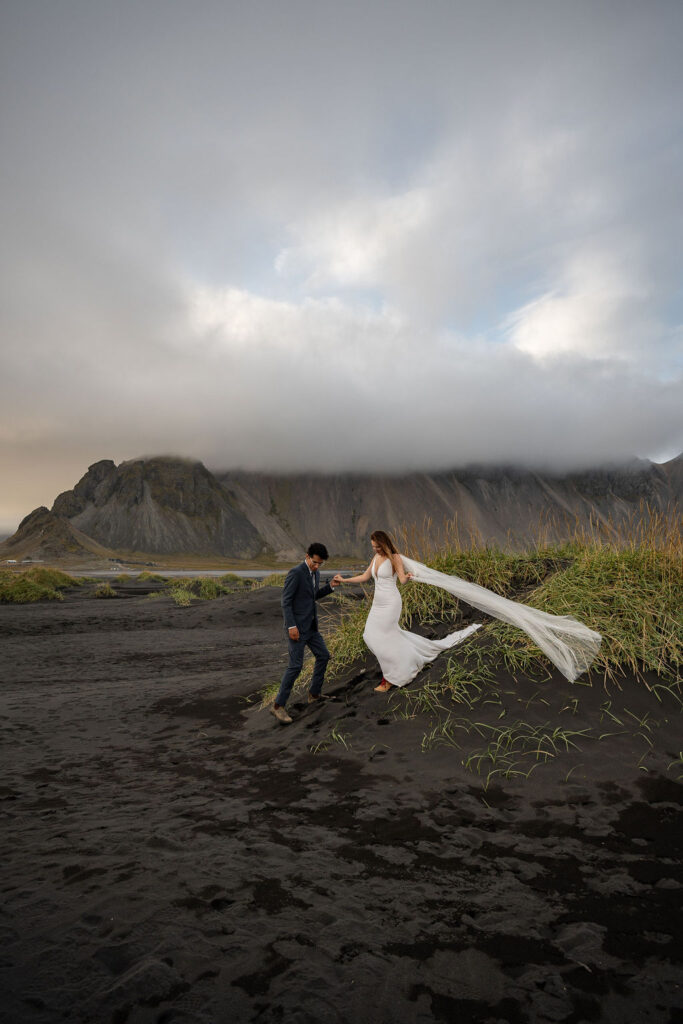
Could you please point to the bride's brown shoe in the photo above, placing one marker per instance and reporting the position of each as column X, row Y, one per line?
column 383, row 686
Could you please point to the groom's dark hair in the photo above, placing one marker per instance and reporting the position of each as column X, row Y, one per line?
column 318, row 549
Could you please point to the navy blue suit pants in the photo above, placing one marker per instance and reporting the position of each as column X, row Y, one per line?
column 314, row 641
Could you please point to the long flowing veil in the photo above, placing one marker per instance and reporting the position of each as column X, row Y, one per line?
column 569, row 644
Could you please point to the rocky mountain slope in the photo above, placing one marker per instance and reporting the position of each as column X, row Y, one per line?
column 169, row 506
column 159, row 505
column 494, row 505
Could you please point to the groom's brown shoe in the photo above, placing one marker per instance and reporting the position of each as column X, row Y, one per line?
column 280, row 714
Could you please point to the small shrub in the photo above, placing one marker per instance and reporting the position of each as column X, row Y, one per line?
column 181, row 596
column 104, row 590
column 209, row 589
column 232, row 584
column 231, row 579
column 150, row 577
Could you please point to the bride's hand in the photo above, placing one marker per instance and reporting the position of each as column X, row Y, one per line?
column 338, row 579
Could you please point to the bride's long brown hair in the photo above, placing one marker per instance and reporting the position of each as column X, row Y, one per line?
column 386, row 544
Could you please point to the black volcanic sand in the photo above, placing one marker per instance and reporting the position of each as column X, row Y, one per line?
column 172, row 854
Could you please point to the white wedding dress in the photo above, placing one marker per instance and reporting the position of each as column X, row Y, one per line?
column 569, row 644
column 400, row 654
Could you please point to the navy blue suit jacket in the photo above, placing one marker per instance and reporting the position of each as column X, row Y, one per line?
column 299, row 595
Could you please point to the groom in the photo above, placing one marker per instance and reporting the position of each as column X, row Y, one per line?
column 299, row 594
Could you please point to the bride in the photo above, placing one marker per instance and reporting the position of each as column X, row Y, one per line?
column 569, row 644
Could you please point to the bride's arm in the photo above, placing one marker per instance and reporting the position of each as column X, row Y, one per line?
column 397, row 563
column 363, row 578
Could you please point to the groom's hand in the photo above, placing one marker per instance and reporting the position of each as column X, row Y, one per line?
column 335, row 581
column 293, row 632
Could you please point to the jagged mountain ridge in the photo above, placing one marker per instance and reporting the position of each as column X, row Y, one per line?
column 496, row 505
column 171, row 506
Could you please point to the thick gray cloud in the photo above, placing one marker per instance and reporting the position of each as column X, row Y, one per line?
column 313, row 235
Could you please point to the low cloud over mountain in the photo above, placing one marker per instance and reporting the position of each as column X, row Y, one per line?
column 165, row 506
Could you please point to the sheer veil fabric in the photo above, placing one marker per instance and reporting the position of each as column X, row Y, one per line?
column 570, row 645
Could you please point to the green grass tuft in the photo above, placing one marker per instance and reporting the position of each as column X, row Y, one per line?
column 276, row 579
column 204, row 588
column 36, row 584
column 104, row 590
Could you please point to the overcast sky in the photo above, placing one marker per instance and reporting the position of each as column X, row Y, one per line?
column 300, row 234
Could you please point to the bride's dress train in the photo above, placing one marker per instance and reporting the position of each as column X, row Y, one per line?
column 569, row 644
column 400, row 654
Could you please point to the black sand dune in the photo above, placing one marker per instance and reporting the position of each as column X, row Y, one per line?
column 172, row 854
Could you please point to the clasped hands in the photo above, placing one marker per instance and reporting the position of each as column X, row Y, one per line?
column 336, row 580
